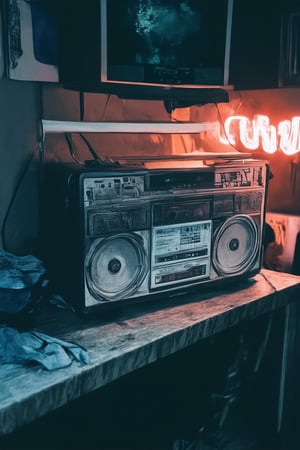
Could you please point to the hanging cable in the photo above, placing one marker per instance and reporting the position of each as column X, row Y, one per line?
column 223, row 127
column 90, row 148
column 71, row 149
column 13, row 197
column 81, row 105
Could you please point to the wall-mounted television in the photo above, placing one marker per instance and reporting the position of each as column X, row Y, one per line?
column 140, row 48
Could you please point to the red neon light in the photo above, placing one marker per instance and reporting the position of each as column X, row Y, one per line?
column 259, row 133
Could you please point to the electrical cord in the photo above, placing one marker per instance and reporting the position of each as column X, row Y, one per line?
column 90, row 148
column 87, row 143
column 13, row 197
column 81, row 105
column 71, row 149
column 223, row 128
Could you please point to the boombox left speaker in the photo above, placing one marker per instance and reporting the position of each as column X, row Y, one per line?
column 115, row 266
column 119, row 235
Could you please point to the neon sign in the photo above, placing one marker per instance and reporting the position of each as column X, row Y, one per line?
column 260, row 133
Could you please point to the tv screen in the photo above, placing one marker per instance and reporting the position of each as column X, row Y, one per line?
column 146, row 48
column 166, row 42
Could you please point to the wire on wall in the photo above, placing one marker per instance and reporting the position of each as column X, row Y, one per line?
column 13, row 198
column 69, row 140
column 221, row 121
column 90, row 148
column 81, row 105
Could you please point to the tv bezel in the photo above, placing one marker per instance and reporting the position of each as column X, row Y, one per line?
column 81, row 67
column 165, row 86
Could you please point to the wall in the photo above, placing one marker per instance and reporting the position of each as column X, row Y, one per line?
column 278, row 104
column 20, row 113
column 61, row 104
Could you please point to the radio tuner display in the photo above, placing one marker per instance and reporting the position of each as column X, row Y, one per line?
column 180, row 251
column 181, row 241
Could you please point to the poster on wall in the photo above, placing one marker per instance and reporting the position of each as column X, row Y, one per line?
column 32, row 53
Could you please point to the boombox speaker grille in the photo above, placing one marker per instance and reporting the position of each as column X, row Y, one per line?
column 116, row 266
column 235, row 245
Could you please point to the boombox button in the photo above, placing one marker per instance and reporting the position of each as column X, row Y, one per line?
column 114, row 266
column 234, row 244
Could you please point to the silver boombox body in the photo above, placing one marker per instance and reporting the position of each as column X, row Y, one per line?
column 114, row 235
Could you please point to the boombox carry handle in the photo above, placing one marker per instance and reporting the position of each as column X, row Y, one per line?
column 62, row 126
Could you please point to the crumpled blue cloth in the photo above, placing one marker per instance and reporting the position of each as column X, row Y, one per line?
column 14, row 301
column 18, row 275
column 21, row 347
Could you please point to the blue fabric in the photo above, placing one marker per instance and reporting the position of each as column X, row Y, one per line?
column 19, row 272
column 33, row 346
column 14, row 301
column 18, row 275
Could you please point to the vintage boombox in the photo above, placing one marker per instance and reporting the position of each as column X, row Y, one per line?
column 117, row 234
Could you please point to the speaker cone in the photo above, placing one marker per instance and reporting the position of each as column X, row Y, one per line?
column 235, row 245
column 116, row 266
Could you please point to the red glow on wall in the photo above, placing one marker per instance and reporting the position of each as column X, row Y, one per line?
column 259, row 133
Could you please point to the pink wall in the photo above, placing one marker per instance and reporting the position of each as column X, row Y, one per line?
column 278, row 105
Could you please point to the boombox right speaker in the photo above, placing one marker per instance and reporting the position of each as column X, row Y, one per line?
column 235, row 245
column 114, row 236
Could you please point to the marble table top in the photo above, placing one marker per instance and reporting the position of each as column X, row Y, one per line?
column 131, row 339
